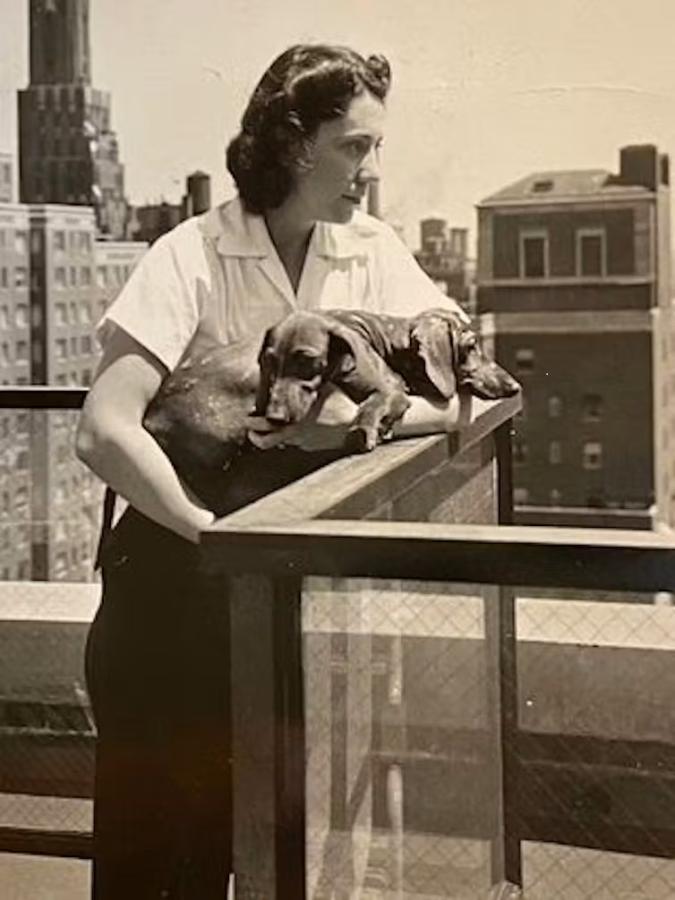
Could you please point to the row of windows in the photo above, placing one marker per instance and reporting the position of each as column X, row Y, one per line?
column 76, row 240
column 590, row 253
column 64, row 348
column 73, row 313
column 8, row 355
column 592, row 407
column 17, row 240
column 75, row 379
column 591, row 453
column 18, row 319
column 72, row 277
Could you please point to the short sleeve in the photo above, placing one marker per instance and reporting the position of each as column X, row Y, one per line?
column 158, row 305
column 406, row 288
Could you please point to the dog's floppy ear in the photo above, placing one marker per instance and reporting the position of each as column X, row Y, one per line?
column 434, row 339
column 341, row 352
column 262, row 396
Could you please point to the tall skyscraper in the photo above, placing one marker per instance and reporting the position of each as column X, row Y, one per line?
column 68, row 152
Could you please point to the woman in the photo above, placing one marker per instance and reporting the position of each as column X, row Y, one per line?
column 293, row 238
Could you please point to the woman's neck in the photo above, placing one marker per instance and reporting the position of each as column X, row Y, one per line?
column 290, row 235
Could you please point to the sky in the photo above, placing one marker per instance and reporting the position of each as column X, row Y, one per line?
column 484, row 92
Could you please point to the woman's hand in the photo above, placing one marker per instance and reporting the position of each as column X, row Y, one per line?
column 325, row 428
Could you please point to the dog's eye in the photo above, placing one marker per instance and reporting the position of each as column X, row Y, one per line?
column 307, row 367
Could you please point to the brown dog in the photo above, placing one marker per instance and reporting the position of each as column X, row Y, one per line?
column 200, row 413
column 377, row 360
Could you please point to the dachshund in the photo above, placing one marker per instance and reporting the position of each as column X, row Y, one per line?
column 201, row 412
column 377, row 360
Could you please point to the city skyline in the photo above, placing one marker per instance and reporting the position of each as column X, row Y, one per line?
column 562, row 87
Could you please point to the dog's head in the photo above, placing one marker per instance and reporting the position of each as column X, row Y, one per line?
column 298, row 356
column 451, row 355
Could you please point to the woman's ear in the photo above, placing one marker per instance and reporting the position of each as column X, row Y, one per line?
column 435, row 346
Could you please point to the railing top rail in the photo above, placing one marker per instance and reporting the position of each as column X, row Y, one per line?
column 343, row 487
column 483, row 554
column 42, row 396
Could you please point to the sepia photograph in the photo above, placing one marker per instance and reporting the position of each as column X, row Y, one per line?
column 337, row 450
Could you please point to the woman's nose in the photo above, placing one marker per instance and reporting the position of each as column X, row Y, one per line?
column 369, row 170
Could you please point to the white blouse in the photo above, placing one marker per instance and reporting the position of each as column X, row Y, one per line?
column 217, row 277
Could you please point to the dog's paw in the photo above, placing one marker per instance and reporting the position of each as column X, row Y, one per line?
column 360, row 440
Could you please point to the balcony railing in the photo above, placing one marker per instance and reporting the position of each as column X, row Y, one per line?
column 387, row 730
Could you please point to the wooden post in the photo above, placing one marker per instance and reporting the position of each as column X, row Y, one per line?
column 506, row 857
column 268, row 745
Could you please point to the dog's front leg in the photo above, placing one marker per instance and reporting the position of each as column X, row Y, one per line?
column 375, row 420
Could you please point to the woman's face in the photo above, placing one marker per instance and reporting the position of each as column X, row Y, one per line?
column 330, row 185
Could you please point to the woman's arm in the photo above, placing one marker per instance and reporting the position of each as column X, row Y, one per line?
column 111, row 439
column 327, row 427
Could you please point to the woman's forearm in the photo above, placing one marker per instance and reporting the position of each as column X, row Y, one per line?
column 430, row 417
column 129, row 460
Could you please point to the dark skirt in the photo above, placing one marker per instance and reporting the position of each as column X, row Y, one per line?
column 157, row 674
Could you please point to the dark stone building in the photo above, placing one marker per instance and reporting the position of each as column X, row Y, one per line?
column 574, row 294
column 68, row 152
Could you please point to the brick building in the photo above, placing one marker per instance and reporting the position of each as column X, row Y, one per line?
column 573, row 291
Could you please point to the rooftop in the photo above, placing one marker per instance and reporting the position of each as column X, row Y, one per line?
column 565, row 185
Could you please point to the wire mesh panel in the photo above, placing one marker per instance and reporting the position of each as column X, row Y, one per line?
column 46, row 728
column 596, row 745
column 50, row 503
column 403, row 786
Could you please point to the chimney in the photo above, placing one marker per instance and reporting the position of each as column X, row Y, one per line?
column 199, row 193
column 640, row 165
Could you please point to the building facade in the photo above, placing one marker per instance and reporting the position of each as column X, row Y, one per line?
column 68, row 153
column 56, row 279
column 573, row 294
column 443, row 255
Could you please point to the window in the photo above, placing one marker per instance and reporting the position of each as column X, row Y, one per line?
column 524, row 360
column 101, row 276
column 555, row 453
column 60, row 277
column 20, row 276
column 85, row 276
column 521, row 496
column 73, row 346
column 592, row 407
column 592, row 458
column 59, row 241
column 4, row 277
column 4, row 317
column 61, row 348
column 555, row 406
column 85, row 313
column 519, row 452
column 73, row 276
column 22, row 350
column 61, row 314
column 591, row 253
column 74, row 313
column 5, row 357
column 21, row 242
column 533, row 254
column 21, row 315
column 85, row 344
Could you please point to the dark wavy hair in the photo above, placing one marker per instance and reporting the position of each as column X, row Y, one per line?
column 305, row 86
